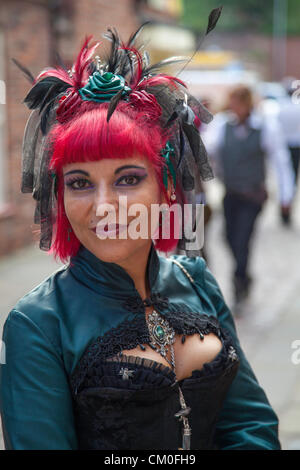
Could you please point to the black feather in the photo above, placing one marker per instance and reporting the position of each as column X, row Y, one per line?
column 113, row 58
column 26, row 72
column 213, row 19
column 60, row 62
column 129, row 65
column 135, row 35
column 113, row 104
column 125, row 63
column 121, row 61
column 50, row 94
column 43, row 96
column 163, row 63
column 92, row 68
column 36, row 95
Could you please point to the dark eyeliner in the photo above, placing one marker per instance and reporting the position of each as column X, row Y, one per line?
column 139, row 177
column 71, row 181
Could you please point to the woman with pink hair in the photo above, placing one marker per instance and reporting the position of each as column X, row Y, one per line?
column 122, row 347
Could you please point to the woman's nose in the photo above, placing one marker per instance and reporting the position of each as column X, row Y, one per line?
column 105, row 200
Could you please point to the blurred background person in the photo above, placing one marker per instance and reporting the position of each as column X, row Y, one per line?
column 238, row 142
column 289, row 118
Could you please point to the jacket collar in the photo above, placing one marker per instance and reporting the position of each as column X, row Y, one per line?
column 110, row 279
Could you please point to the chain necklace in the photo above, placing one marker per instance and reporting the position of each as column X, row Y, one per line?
column 162, row 336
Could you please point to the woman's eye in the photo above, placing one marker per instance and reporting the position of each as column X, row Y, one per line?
column 130, row 180
column 78, row 184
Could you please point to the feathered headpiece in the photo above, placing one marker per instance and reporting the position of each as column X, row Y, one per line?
column 126, row 74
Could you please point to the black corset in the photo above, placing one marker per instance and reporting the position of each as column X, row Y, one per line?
column 130, row 403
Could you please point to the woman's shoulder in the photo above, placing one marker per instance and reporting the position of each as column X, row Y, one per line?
column 38, row 309
column 41, row 293
column 194, row 268
column 195, row 272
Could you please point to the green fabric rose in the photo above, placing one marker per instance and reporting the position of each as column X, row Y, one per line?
column 103, row 87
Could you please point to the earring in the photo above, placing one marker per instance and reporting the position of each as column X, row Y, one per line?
column 173, row 195
column 69, row 231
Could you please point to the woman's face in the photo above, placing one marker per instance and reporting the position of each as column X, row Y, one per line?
column 100, row 194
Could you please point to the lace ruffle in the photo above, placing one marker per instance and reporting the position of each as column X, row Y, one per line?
column 129, row 372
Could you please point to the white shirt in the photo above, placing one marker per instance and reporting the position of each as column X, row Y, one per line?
column 289, row 118
column 272, row 143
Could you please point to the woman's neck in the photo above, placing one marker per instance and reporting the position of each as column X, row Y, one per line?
column 136, row 267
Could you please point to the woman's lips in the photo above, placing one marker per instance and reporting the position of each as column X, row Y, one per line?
column 109, row 230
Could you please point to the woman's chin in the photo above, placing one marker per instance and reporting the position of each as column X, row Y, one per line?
column 112, row 250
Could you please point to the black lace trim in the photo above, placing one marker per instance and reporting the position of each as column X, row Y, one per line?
column 127, row 335
column 187, row 322
column 133, row 332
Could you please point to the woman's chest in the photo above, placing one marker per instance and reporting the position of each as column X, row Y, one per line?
column 181, row 340
column 182, row 353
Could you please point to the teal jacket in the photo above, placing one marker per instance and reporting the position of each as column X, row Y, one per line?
column 48, row 330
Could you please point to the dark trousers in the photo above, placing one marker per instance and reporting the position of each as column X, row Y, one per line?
column 240, row 216
column 295, row 157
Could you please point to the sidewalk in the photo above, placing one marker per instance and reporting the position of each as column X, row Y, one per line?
column 271, row 321
column 19, row 273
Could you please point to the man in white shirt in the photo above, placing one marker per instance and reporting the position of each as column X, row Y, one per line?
column 289, row 119
column 238, row 141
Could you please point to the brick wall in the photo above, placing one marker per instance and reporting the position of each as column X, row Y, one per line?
column 30, row 33
column 93, row 17
column 26, row 38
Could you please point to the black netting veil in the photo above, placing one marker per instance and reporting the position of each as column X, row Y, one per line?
column 37, row 178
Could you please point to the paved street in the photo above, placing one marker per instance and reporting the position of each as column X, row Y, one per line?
column 271, row 320
column 270, row 323
column 19, row 273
